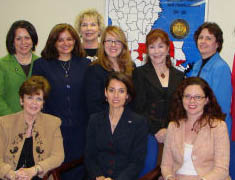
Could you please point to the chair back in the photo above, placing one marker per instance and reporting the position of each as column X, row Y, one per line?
column 151, row 156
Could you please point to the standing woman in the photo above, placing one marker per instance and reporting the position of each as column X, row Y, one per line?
column 16, row 67
column 212, row 68
column 113, row 55
column 62, row 64
column 90, row 25
column 155, row 83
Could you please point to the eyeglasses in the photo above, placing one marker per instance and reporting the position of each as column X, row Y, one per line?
column 110, row 42
column 195, row 98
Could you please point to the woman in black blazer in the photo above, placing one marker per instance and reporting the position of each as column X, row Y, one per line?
column 113, row 56
column 155, row 83
column 116, row 138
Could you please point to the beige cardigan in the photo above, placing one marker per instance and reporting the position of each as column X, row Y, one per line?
column 48, row 149
column 210, row 155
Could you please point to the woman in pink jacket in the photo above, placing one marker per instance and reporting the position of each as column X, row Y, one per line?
column 197, row 141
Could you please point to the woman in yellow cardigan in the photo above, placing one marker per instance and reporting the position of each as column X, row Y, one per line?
column 30, row 141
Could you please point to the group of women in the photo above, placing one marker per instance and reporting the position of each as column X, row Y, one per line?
column 91, row 78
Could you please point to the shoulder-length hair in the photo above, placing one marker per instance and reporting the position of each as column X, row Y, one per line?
column 50, row 51
column 214, row 29
column 153, row 36
column 124, row 60
column 211, row 110
column 11, row 35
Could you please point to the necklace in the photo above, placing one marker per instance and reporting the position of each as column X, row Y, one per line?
column 162, row 75
column 66, row 67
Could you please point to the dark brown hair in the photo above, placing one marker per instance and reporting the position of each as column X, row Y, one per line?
column 214, row 29
column 34, row 84
column 211, row 110
column 125, row 79
column 51, row 53
column 124, row 60
column 153, row 36
column 11, row 35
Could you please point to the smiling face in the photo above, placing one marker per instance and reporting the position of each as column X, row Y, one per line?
column 116, row 94
column 158, row 51
column 32, row 104
column 112, row 47
column 65, row 44
column 89, row 29
column 206, row 43
column 22, row 42
column 194, row 100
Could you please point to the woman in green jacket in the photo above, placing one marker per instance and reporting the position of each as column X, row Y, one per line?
column 16, row 67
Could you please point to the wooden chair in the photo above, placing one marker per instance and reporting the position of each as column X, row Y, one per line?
column 56, row 173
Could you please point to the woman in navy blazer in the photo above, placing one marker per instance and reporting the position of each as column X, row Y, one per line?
column 63, row 66
column 116, row 138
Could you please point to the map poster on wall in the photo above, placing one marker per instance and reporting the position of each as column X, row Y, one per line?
column 179, row 18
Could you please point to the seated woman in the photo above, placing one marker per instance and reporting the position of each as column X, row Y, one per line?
column 116, row 138
column 197, row 141
column 30, row 141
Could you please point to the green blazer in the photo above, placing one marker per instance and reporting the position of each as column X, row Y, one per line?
column 11, row 78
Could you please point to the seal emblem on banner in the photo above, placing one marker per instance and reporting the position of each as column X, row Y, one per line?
column 179, row 28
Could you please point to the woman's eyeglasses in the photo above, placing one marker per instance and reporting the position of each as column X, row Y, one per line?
column 110, row 42
column 195, row 98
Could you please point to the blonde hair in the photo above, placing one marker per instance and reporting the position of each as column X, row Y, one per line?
column 124, row 61
column 92, row 13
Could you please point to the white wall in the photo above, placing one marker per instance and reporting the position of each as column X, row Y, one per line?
column 44, row 14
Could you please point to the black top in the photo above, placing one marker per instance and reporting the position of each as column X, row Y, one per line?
column 26, row 68
column 121, row 154
column 26, row 157
column 152, row 100
column 91, row 54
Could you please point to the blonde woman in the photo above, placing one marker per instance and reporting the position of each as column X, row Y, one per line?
column 90, row 25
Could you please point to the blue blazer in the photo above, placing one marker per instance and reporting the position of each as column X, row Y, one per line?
column 120, row 155
column 218, row 75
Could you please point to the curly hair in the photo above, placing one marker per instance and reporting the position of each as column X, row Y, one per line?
column 214, row 29
column 91, row 13
column 211, row 110
column 11, row 35
column 153, row 36
column 50, row 51
column 124, row 61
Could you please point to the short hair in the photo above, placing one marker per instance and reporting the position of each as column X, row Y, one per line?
column 211, row 110
column 34, row 84
column 124, row 60
column 153, row 36
column 214, row 29
column 125, row 79
column 91, row 13
column 11, row 35
column 50, row 51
